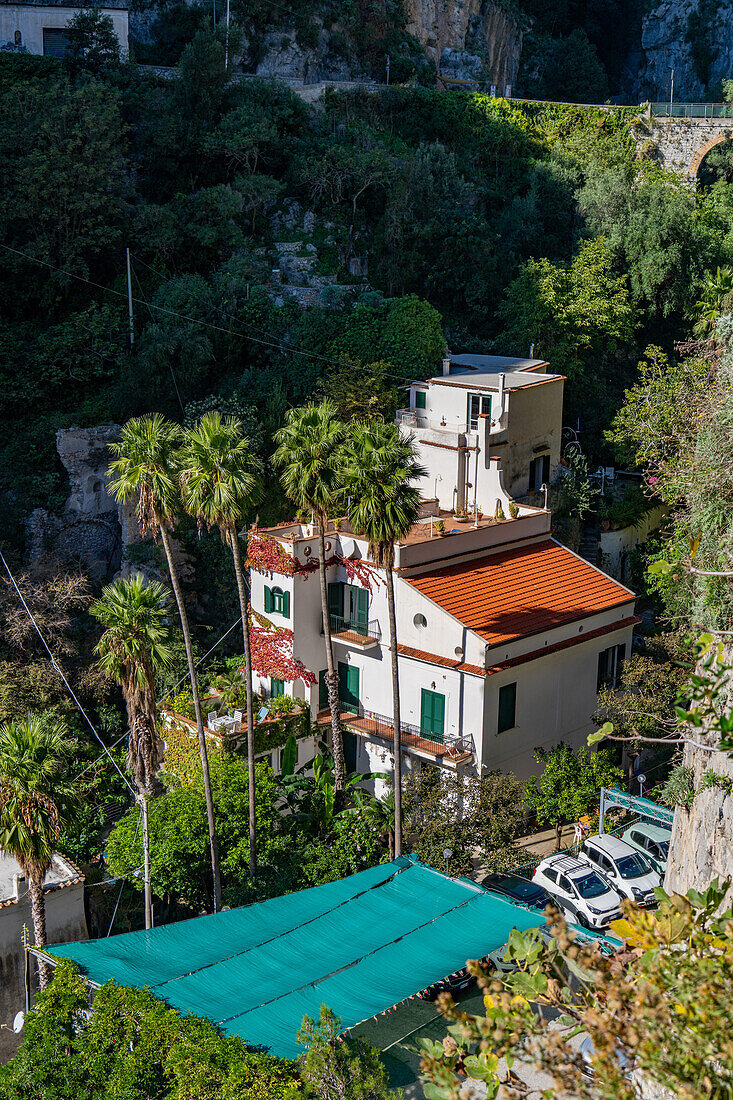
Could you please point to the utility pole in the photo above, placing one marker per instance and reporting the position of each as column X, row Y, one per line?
column 671, row 86
column 129, row 300
column 226, row 49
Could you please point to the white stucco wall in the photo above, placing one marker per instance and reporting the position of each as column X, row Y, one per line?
column 65, row 922
column 30, row 20
column 556, row 696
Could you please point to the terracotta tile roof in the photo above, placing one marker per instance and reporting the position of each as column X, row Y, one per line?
column 436, row 659
column 521, row 592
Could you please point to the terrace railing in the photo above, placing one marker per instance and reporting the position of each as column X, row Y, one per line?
column 364, row 628
column 382, row 726
column 692, row 110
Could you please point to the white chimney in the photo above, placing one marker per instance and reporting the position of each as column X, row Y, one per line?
column 446, row 366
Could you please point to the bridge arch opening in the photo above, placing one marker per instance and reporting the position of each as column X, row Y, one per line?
column 714, row 160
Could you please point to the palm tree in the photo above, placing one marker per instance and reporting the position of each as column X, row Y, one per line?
column 310, row 455
column 380, row 467
column 219, row 483
column 715, row 292
column 135, row 645
column 379, row 812
column 146, row 468
column 36, row 803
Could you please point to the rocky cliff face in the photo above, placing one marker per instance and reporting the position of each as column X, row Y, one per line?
column 693, row 36
column 702, row 836
column 467, row 39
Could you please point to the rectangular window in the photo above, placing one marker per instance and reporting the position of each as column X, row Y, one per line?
column 539, row 473
column 432, row 715
column 507, row 708
column 610, row 665
column 277, row 688
column 478, row 404
column 348, row 608
column 55, row 42
column 420, row 399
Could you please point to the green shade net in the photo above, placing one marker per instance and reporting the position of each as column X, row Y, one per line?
column 359, row 945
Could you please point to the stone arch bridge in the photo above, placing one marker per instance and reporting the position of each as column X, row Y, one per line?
column 685, row 132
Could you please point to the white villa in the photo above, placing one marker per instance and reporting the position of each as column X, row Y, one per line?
column 503, row 635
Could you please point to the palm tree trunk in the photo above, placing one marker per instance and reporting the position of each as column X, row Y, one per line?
column 215, row 869
column 236, row 554
column 146, row 861
column 337, row 740
column 397, row 746
column 38, row 911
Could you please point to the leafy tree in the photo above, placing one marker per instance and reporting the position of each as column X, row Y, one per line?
column 380, row 467
column 462, row 813
column 219, row 484
column 127, row 1042
column 133, row 648
column 669, row 985
column 642, row 705
column 36, row 802
column 93, row 44
column 178, row 832
column 146, row 470
column 716, row 295
column 62, row 160
column 570, row 784
column 571, row 497
column 334, row 1068
column 577, row 315
column 310, row 456
column 572, row 71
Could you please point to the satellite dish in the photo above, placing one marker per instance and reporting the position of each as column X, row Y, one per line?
column 18, row 1022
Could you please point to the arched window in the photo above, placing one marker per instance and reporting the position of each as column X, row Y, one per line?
column 277, row 601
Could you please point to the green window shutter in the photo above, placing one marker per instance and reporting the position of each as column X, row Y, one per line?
column 268, row 598
column 336, row 599
column 277, row 688
column 420, row 399
column 359, row 609
column 507, row 707
column 286, row 605
column 322, row 689
column 432, row 714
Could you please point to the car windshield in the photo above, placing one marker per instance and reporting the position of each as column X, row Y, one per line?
column 632, row 866
column 521, row 889
column 590, row 885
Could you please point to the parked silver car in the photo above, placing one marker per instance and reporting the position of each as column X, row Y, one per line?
column 651, row 840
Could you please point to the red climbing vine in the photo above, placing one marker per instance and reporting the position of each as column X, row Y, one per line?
column 272, row 651
column 266, row 555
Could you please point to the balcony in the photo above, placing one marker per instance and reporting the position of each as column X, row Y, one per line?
column 366, row 723
column 359, row 633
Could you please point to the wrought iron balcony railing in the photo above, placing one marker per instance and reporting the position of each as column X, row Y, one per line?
column 364, row 628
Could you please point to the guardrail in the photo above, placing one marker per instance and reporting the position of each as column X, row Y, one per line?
column 368, row 629
column 691, row 110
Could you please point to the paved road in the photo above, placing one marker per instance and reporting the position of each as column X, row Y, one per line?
column 397, row 1033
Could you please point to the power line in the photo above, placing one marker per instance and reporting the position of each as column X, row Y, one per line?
column 272, row 343
column 58, row 669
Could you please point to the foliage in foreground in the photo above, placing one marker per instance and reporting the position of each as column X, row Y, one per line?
column 340, row 1069
column 131, row 1045
column 660, row 1007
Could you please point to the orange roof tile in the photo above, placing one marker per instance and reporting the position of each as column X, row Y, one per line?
column 522, row 591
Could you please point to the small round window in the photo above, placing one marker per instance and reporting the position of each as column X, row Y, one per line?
column 420, row 620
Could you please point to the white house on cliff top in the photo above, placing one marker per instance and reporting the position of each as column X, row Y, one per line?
column 503, row 635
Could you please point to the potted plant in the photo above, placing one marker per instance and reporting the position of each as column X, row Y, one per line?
column 499, row 511
column 513, row 510
column 439, row 527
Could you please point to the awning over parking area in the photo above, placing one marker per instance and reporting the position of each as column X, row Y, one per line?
column 360, row 945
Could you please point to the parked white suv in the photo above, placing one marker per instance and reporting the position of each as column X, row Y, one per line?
column 652, row 840
column 583, row 895
column 628, row 871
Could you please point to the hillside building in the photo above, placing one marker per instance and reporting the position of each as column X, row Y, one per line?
column 40, row 26
column 504, row 636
